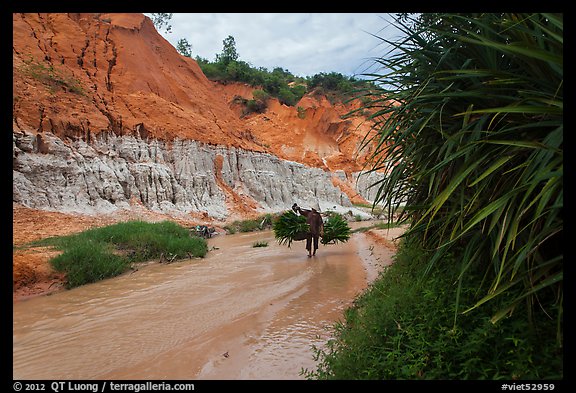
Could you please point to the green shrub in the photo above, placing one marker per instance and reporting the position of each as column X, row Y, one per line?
column 301, row 112
column 249, row 226
column 470, row 133
column 298, row 90
column 260, row 95
column 406, row 326
column 256, row 106
column 287, row 97
column 256, row 224
column 230, row 229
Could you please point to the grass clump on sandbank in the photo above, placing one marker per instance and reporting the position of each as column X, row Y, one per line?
column 250, row 225
column 105, row 252
column 380, row 225
column 260, row 244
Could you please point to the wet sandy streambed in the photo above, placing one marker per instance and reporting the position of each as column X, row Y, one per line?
column 240, row 313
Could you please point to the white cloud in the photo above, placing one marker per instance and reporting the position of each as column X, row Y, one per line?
column 305, row 44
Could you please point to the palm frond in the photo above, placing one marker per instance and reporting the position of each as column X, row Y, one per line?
column 469, row 129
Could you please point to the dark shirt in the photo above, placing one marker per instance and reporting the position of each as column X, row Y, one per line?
column 314, row 219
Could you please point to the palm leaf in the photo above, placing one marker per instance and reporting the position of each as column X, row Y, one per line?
column 336, row 230
column 290, row 227
column 474, row 148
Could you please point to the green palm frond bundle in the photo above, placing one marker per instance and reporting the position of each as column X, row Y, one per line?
column 336, row 230
column 290, row 227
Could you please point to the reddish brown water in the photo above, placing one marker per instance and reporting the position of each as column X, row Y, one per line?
column 240, row 313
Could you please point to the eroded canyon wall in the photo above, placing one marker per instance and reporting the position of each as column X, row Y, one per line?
column 108, row 115
column 180, row 176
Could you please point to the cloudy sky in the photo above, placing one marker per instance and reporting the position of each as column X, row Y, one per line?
column 305, row 44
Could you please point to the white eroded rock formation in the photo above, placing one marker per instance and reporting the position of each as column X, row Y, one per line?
column 181, row 176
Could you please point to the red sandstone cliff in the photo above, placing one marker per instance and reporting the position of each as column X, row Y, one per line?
column 80, row 74
column 77, row 75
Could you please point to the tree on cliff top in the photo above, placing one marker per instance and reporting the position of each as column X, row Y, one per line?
column 162, row 19
column 229, row 53
column 184, row 47
column 280, row 82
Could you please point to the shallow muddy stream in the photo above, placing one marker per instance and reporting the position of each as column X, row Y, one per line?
column 242, row 312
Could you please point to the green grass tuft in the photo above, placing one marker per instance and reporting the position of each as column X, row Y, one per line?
column 108, row 251
column 87, row 262
column 251, row 225
column 260, row 244
column 52, row 78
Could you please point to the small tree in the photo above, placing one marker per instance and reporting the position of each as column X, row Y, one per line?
column 260, row 95
column 287, row 97
column 184, row 48
column 229, row 52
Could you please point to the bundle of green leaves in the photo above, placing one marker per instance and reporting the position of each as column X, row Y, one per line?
column 336, row 230
column 290, row 227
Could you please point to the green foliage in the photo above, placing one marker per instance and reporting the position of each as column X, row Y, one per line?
column 287, row 97
column 290, row 227
column 336, row 230
column 260, row 244
column 213, row 71
column 89, row 261
column 298, row 90
column 229, row 53
column 108, row 251
column 257, row 224
column 260, row 95
column 256, row 106
column 162, row 19
column 301, row 112
column 404, row 327
column 333, row 81
column 52, row 78
column 248, row 226
column 279, row 83
column 184, row 48
column 470, row 130
column 236, row 70
column 259, row 104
